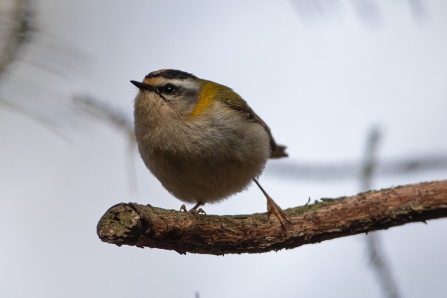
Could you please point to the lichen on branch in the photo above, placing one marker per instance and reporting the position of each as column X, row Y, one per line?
column 147, row 226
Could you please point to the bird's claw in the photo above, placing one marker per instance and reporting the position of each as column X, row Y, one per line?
column 194, row 210
column 272, row 207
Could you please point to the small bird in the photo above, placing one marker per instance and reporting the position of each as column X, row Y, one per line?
column 201, row 139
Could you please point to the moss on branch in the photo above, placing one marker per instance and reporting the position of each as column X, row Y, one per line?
column 147, row 226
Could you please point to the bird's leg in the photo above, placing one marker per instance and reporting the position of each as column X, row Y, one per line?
column 272, row 207
column 194, row 209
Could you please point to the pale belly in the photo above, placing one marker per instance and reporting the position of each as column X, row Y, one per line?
column 205, row 161
column 205, row 180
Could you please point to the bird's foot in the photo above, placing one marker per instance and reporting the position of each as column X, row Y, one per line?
column 197, row 212
column 193, row 210
column 272, row 207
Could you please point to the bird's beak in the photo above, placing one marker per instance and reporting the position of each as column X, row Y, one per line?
column 143, row 86
column 147, row 87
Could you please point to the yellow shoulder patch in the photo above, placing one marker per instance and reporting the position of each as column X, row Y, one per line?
column 207, row 93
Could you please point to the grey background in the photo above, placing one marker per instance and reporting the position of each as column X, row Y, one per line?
column 319, row 82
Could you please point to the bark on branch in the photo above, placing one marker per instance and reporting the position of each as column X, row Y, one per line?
column 147, row 226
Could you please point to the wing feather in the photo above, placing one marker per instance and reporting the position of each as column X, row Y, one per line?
column 277, row 151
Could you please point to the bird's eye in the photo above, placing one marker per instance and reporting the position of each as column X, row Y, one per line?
column 168, row 89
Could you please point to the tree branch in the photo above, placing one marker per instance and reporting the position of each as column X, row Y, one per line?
column 147, row 226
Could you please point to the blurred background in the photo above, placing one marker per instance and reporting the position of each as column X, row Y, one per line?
column 356, row 90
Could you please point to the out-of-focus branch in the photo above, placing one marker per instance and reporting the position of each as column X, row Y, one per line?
column 147, row 226
column 369, row 11
column 104, row 112
column 370, row 159
column 381, row 266
column 18, row 32
column 26, row 56
column 346, row 170
column 376, row 254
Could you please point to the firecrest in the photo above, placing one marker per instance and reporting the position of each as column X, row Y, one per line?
column 201, row 139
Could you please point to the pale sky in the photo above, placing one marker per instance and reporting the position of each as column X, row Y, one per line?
column 320, row 83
